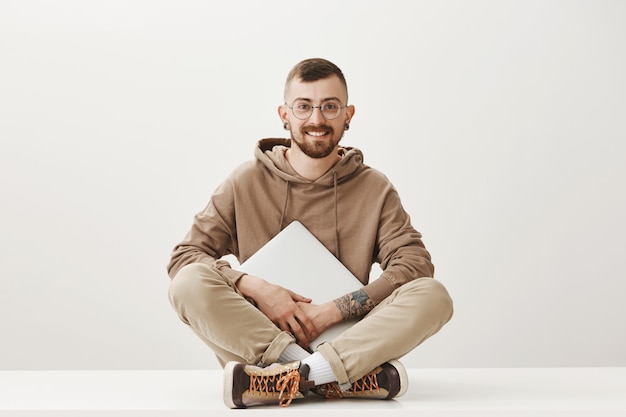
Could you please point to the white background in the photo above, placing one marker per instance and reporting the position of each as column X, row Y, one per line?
column 501, row 123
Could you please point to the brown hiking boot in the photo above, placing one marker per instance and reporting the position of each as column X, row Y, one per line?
column 388, row 381
column 248, row 385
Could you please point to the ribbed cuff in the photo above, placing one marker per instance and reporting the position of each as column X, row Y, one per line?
column 320, row 371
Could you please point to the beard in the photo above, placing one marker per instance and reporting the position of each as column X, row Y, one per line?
column 316, row 148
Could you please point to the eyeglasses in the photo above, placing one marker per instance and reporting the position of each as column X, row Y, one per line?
column 302, row 109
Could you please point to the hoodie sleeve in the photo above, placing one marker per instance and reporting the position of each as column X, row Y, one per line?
column 212, row 235
column 401, row 252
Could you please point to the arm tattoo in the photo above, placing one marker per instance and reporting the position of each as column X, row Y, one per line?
column 355, row 304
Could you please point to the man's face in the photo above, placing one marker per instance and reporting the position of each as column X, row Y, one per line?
column 316, row 136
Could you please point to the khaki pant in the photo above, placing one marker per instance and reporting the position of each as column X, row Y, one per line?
column 236, row 330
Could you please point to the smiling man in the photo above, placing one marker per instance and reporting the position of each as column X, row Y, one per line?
column 261, row 332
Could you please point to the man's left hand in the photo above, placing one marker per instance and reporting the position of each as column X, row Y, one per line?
column 323, row 316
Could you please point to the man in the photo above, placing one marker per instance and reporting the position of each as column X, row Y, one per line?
column 261, row 332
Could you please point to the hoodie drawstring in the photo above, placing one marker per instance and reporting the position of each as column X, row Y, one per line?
column 282, row 215
column 336, row 216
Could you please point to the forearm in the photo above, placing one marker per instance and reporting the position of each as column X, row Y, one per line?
column 354, row 305
column 250, row 286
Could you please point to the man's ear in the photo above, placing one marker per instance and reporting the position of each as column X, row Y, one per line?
column 282, row 113
column 349, row 113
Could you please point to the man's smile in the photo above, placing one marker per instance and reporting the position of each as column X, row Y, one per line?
column 318, row 131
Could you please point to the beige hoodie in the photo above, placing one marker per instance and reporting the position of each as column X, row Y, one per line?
column 352, row 209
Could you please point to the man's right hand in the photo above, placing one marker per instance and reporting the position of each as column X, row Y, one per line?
column 280, row 305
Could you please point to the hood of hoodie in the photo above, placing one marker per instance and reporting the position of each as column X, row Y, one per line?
column 271, row 153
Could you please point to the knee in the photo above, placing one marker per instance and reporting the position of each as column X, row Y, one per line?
column 192, row 286
column 437, row 295
column 186, row 281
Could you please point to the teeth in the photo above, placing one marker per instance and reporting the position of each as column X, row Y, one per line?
column 317, row 133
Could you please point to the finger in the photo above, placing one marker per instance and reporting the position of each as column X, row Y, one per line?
column 284, row 326
column 299, row 333
column 298, row 297
column 307, row 325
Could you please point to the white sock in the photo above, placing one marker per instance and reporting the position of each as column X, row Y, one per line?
column 319, row 369
column 293, row 352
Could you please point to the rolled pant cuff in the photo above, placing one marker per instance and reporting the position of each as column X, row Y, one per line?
column 336, row 364
column 274, row 350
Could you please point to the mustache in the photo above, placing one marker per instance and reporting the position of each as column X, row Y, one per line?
column 308, row 128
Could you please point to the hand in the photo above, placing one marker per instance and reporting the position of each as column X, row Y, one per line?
column 322, row 316
column 281, row 306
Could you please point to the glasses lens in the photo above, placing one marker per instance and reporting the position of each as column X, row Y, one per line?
column 302, row 109
column 330, row 109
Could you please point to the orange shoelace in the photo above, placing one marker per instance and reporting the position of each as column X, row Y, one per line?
column 368, row 383
column 332, row 391
column 288, row 384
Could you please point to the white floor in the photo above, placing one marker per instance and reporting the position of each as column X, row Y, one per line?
column 596, row 392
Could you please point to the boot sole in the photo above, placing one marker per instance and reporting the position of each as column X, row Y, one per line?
column 228, row 385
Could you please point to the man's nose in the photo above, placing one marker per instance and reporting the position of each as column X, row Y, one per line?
column 317, row 115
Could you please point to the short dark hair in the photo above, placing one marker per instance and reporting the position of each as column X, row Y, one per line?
column 314, row 69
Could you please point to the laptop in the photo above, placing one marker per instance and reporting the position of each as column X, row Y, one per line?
column 297, row 260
